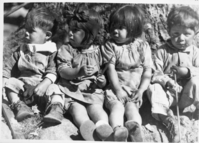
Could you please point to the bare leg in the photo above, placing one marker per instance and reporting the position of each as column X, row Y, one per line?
column 132, row 113
column 133, row 123
column 116, row 116
column 190, row 93
column 116, row 119
column 78, row 113
column 100, row 118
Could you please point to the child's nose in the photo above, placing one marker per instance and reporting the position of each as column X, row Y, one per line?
column 70, row 34
column 27, row 34
column 115, row 31
column 182, row 36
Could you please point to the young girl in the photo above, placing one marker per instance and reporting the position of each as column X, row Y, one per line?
column 79, row 64
column 129, row 72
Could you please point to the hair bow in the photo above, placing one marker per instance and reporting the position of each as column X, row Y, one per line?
column 80, row 14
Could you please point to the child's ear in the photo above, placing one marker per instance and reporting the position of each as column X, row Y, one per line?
column 48, row 35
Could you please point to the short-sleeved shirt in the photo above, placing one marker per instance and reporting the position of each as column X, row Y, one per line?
column 130, row 60
column 82, row 88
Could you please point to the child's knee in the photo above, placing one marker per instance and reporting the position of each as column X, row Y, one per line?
column 116, row 105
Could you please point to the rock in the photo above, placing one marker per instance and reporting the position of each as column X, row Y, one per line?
column 65, row 131
column 5, row 131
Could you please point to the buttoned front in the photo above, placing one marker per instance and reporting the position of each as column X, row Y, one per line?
column 32, row 66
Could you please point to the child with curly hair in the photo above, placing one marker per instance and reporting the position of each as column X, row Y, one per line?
column 79, row 89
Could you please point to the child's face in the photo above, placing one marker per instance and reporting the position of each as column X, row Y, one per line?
column 36, row 36
column 181, row 36
column 76, row 37
column 119, row 35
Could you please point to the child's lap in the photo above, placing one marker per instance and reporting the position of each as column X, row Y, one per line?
column 82, row 98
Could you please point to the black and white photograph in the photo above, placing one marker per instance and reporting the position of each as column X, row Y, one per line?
column 123, row 71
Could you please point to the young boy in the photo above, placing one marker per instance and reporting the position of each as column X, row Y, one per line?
column 177, row 57
column 33, row 61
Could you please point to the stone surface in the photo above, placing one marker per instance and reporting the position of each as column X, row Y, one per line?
column 5, row 131
column 65, row 131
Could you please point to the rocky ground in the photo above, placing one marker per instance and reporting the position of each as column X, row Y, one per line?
column 33, row 129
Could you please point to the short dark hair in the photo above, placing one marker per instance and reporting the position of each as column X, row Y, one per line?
column 130, row 17
column 183, row 15
column 43, row 18
column 88, row 20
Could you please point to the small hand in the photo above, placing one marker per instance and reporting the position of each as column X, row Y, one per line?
column 101, row 81
column 40, row 89
column 172, row 86
column 122, row 96
column 138, row 97
column 86, row 70
column 180, row 71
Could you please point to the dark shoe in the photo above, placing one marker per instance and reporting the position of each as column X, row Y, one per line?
column 104, row 131
column 120, row 134
column 87, row 130
column 55, row 115
column 21, row 110
column 172, row 125
column 135, row 133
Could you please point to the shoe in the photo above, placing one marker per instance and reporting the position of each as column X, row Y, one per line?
column 104, row 131
column 21, row 110
column 87, row 130
column 135, row 132
column 55, row 115
column 172, row 125
column 120, row 134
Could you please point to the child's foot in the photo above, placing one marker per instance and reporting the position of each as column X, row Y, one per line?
column 87, row 130
column 21, row 110
column 120, row 134
column 104, row 131
column 134, row 129
column 55, row 115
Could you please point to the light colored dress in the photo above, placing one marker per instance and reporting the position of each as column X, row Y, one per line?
column 130, row 61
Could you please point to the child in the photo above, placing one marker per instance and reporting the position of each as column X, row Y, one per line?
column 129, row 72
column 34, row 62
column 180, row 57
column 80, row 81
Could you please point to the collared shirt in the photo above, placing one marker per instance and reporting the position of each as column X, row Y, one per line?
column 33, row 61
column 167, row 56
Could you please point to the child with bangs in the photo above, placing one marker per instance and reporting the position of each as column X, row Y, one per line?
column 79, row 89
column 128, row 72
column 34, row 63
column 177, row 70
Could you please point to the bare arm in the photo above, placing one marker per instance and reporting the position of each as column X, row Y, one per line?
column 69, row 73
column 117, row 89
column 145, row 80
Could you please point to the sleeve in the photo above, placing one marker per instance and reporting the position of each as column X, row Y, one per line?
column 64, row 57
column 148, row 62
column 108, row 53
column 158, row 75
column 10, row 68
column 194, row 70
column 51, row 71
